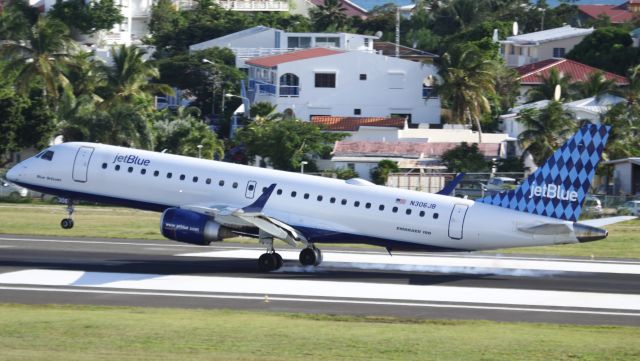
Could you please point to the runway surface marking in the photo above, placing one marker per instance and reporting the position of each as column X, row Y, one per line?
column 515, row 267
column 463, row 255
column 358, row 291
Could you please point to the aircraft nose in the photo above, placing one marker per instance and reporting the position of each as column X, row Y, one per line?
column 12, row 174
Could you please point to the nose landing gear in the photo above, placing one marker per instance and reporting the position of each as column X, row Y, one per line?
column 67, row 223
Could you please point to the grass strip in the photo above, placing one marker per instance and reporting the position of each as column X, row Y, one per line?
column 124, row 333
column 114, row 222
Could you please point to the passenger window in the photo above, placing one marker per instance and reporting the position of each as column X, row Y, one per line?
column 182, row 176
column 235, row 185
column 117, row 167
column 130, row 169
column 143, row 171
column 319, row 198
column 306, row 196
column 156, row 173
column 381, row 207
column 104, row 165
column 169, row 175
column 195, row 179
column 208, row 181
column 279, row 192
column 421, row 213
column 356, row 204
column 367, row 205
column 394, row 209
column 408, row 211
column 264, row 189
column 343, row 202
column 221, row 183
column 435, row 216
column 332, row 200
column 293, row 194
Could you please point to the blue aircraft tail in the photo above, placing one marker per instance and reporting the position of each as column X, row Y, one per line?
column 559, row 187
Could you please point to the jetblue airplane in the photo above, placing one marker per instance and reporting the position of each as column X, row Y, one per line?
column 204, row 201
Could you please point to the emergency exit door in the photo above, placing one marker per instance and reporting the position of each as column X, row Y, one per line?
column 81, row 164
column 456, row 222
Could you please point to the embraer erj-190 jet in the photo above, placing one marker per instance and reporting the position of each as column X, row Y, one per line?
column 204, row 201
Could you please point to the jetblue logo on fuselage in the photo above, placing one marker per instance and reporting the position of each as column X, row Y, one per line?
column 130, row 159
column 553, row 191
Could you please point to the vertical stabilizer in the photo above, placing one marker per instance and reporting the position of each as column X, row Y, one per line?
column 559, row 187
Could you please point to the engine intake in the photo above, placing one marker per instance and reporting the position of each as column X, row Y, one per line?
column 191, row 227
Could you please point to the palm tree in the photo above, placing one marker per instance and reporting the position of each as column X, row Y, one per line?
column 467, row 80
column 40, row 57
column 331, row 15
column 128, row 78
column 595, row 85
column 547, row 130
column 547, row 89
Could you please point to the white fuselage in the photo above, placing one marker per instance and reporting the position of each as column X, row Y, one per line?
column 323, row 209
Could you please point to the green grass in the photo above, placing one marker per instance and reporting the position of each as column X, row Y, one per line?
column 122, row 333
column 113, row 222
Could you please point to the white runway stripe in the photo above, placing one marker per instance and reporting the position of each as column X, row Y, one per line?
column 328, row 289
column 453, row 264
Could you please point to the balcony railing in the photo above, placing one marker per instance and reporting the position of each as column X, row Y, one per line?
column 243, row 5
column 250, row 53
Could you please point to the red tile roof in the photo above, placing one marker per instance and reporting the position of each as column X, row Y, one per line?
column 533, row 74
column 352, row 124
column 351, row 9
column 616, row 13
column 271, row 61
column 347, row 148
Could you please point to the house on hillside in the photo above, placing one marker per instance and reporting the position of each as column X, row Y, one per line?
column 262, row 41
column 590, row 109
column 322, row 81
column 303, row 7
column 519, row 50
column 533, row 75
column 617, row 14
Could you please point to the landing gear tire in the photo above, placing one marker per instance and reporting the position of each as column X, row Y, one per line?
column 310, row 256
column 66, row 223
column 270, row 262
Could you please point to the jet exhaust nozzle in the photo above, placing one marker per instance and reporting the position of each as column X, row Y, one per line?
column 586, row 233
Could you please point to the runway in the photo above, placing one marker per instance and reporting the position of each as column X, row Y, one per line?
column 350, row 281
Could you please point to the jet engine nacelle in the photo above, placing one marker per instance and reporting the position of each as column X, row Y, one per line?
column 191, row 227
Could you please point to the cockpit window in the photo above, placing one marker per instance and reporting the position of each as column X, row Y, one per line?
column 48, row 155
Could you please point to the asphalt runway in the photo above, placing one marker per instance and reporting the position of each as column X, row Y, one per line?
column 35, row 270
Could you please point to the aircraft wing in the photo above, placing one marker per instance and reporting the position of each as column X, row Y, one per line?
column 251, row 215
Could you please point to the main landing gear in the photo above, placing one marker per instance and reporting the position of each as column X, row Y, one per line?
column 67, row 223
column 272, row 261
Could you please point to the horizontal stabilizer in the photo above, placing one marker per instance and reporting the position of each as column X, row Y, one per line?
column 601, row 222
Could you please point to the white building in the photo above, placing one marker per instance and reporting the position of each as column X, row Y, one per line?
column 262, row 41
column 323, row 81
column 529, row 48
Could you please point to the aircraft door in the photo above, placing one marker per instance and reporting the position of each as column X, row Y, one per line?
column 251, row 189
column 81, row 164
column 456, row 222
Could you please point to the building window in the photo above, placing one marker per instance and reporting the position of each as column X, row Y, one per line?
column 327, row 42
column 325, row 80
column 357, row 111
column 363, row 76
column 366, row 42
column 299, row 42
column 558, row 52
column 289, row 85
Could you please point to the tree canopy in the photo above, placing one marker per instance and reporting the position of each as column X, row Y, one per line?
column 610, row 49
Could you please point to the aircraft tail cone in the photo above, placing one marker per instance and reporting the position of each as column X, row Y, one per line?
column 585, row 233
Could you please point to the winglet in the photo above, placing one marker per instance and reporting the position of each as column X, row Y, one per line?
column 451, row 185
column 256, row 207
